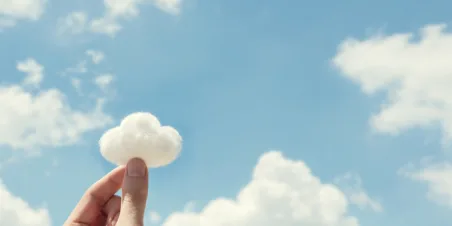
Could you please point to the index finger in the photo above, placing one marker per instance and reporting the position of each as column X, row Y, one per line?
column 92, row 202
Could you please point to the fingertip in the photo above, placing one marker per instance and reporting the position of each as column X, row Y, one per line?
column 136, row 167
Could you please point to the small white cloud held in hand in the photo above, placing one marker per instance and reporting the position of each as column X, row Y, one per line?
column 140, row 135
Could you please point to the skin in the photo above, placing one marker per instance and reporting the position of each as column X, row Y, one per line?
column 99, row 206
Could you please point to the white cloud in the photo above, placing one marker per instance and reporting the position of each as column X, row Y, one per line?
column 154, row 217
column 44, row 118
column 108, row 26
column 122, row 8
column 169, row 6
column 103, row 81
column 34, row 72
column 16, row 212
column 117, row 10
column 13, row 11
column 140, row 135
column 74, row 23
column 351, row 184
column 96, row 56
column 281, row 192
column 437, row 177
column 130, row 8
column 415, row 75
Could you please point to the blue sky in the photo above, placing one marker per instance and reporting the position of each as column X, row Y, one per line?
column 237, row 80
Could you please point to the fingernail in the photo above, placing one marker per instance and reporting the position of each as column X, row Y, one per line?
column 136, row 168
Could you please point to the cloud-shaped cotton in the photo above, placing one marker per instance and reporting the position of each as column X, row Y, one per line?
column 140, row 135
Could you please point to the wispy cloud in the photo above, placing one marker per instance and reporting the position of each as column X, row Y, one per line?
column 115, row 12
column 436, row 176
column 351, row 184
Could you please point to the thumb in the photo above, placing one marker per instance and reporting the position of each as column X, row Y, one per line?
column 134, row 194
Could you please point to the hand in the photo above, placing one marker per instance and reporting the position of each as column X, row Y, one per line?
column 99, row 206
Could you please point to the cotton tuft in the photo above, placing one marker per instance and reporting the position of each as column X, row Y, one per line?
column 140, row 135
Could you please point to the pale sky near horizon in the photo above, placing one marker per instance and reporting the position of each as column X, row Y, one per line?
column 292, row 113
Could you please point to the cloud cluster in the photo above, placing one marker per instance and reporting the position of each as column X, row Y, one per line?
column 43, row 118
column 414, row 74
column 282, row 192
column 103, row 81
column 33, row 118
column 16, row 212
column 115, row 11
column 140, row 135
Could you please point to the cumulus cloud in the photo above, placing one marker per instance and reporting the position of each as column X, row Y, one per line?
column 438, row 179
column 414, row 74
column 34, row 72
column 351, row 184
column 16, row 212
column 140, row 135
column 281, row 192
column 32, row 120
column 13, row 11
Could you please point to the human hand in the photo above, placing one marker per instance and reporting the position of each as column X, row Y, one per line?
column 99, row 206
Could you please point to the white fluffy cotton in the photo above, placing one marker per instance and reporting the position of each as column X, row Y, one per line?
column 140, row 135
